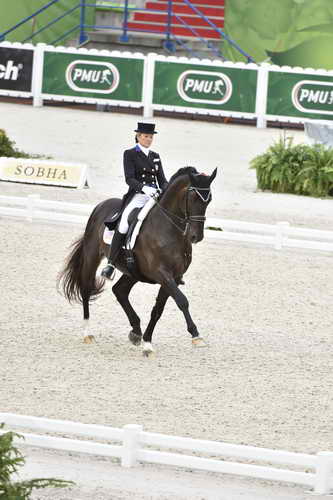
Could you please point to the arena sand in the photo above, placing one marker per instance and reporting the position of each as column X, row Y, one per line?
column 266, row 377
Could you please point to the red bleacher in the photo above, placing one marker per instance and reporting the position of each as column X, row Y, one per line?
column 157, row 22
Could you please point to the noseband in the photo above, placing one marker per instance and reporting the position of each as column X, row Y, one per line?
column 203, row 193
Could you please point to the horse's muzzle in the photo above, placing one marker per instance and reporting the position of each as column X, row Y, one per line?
column 195, row 238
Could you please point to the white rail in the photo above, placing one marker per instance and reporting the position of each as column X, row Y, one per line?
column 132, row 449
column 278, row 235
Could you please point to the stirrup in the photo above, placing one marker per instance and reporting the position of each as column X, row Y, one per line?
column 108, row 272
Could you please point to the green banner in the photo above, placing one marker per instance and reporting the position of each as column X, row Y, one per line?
column 206, row 87
column 102, row 77
column 300, row 95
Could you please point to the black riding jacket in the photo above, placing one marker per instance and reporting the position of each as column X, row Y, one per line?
column 142, row 170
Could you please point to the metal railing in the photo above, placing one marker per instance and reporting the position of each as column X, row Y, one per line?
column 171, row 39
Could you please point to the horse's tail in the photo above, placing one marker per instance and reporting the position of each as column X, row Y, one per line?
column 78, row 278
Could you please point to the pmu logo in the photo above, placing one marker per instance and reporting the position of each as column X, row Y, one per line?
column 311, row 96
column 92, row 76
column 10, row 71
column 204, row 86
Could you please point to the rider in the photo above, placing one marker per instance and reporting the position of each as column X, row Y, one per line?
column 144, row 175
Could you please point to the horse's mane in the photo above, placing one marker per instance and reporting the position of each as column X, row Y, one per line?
column 183, row 171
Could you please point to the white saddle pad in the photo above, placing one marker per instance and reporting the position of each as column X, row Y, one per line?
column 108, row 235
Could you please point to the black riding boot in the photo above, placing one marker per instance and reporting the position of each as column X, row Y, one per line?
column 116, row 244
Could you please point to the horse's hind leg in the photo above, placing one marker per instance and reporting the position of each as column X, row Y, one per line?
column 156, row 313
column 87, row 337
column 121, row 290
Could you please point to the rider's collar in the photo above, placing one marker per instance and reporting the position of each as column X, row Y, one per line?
column 143, row 149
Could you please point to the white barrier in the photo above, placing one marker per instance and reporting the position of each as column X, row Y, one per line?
column 275, row 235
column 133, row 442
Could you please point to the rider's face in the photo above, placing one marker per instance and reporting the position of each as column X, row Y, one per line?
column 145, row 140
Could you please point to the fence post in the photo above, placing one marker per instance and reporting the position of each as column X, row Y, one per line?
column 281, row 234
column 324, row 476
column 148, row 85
column 131, row 444
column 32, row 201
column 37, row 75
column 83, row 37
column 261, row 96
column 124, row 37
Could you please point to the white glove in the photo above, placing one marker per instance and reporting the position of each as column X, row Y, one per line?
column 149, row 191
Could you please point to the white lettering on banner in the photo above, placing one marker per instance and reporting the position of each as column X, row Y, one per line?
column 107, row 75
column 301, row 96
column 189, row 84
column 304, row 94
column 77, row 74
column 10, row 71
column 198, row 85
column 216, row 88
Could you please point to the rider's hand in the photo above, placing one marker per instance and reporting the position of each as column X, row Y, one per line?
column 149, row 191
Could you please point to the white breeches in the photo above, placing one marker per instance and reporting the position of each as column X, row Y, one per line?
column 138, row 201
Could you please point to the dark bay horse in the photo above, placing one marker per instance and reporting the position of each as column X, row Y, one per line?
column 163, row 253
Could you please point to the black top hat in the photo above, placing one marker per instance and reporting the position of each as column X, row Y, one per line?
column 146, row 128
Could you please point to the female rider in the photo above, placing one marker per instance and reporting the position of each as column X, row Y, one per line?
column 144, row 175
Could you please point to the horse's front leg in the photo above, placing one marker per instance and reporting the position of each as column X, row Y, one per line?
column 156, row 313
column 171, row 287
column 121, row 290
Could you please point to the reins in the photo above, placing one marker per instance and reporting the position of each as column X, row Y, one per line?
column 188, row 218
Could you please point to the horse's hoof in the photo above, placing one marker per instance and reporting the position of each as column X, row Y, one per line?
column 148, row 351
column 89, row 339
column 199, row 342
column 134, row 338
column 149, row 354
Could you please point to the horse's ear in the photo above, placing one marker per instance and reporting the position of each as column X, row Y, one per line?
column 212, row 177
column 192, row 179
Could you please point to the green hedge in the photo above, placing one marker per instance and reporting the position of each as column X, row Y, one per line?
column 8, row 148
column 298, row 169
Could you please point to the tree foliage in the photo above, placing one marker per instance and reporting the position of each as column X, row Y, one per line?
column 10, row 460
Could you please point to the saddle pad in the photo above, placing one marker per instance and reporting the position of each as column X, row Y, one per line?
column 141, row 217
column 107, row 236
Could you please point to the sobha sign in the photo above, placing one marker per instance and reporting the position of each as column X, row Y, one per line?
column 44, row 172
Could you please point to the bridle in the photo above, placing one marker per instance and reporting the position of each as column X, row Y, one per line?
column 187, row 219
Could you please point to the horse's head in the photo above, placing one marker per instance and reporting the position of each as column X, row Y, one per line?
column 197, row 197
column 186, row 199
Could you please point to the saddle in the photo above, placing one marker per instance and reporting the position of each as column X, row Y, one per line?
column 112, row 220
column 135, row 220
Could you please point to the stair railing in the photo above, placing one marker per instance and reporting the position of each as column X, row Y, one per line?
column 82, row 4
column 26, row 19
column 218, row 30
column 169, row 43
column 51, row 23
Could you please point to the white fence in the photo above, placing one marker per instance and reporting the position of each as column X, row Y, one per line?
column 275, row 235
column 133, row 443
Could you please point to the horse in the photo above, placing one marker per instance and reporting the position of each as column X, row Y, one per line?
column 162, row 252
